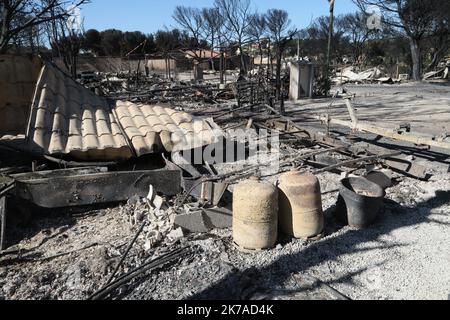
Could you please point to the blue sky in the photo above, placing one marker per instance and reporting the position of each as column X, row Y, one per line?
column 150, row 15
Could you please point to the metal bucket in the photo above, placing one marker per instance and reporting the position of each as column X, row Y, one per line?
column 359, row 203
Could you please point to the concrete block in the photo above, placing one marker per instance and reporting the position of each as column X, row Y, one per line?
column 219, row 218
column 205, row 220
column 194, row 222
column 301, row 80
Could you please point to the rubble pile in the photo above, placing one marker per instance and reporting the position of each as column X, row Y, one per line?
column 158, row 217
column 372, row 75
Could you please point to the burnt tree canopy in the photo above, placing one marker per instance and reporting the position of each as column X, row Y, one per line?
column 19, row 16
column 414, row 19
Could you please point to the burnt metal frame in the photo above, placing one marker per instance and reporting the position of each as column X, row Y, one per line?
column 2, row 222
column 3, row 211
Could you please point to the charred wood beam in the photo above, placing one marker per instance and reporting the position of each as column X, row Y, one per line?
column 397, row 163
column 406, row 137
column 392, row 134
column 60, row 162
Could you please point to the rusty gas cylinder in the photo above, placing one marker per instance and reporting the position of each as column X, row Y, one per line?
column 301, row 213
column 255, row 215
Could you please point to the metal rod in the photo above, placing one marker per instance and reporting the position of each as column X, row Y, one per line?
column 104, row 292
column 355, row 161
column 7, row 188
column 130, row 246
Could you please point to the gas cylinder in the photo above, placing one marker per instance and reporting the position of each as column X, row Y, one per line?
column 255, row 215
column 301, row 213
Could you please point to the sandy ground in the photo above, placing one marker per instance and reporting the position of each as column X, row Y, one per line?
column 404, row 255
column 425, row 106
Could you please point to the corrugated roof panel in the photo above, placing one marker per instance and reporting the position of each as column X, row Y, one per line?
column 151, row 127
column 67, row 117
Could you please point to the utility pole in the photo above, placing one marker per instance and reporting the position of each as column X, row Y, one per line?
column 330, row 36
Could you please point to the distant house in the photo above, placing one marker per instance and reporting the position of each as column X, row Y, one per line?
column 202, row 54
column 265, row 60
column 207, row 58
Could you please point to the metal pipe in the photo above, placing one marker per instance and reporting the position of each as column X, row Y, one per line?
column 355, row 161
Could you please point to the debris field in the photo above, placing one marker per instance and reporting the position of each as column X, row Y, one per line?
column 131, row 186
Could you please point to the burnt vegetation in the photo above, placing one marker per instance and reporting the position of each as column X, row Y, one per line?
column 414, row 33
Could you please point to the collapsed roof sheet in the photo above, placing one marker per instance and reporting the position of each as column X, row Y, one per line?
column 67, row 118
column 369, row 74
column 156, row 128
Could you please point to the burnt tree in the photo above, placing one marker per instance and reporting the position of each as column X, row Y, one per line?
column 238, row 18
column 414, row 19
column 278, row 24
column 18, row 16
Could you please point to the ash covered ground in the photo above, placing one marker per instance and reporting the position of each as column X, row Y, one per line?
column 404, row 255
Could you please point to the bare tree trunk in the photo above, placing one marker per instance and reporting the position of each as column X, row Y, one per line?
column 270, row 69
column 212, row 54
column 330, row 37
column 416, row 59
column 3, row 46
column 437, row 57
column 278, row 75
column 222, row 66
column 74, row 64
column 268, row 60
column 4, row 39
column 170, row 71
column 434, row 62
column 38, row 40
column 243, row 64
column 167, row 70
column 260, row 54
column 31, row 40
